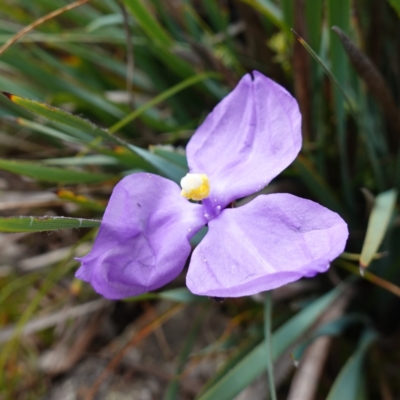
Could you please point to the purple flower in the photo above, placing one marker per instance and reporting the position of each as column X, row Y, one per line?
column 249, row 138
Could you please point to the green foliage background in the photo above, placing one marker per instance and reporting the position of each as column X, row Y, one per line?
column 110, row 88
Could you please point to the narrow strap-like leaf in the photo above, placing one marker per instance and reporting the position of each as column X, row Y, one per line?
column 44, row 223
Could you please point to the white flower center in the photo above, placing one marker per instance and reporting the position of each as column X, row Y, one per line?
column 195, row 186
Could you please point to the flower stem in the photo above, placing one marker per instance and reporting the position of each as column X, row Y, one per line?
column 268, row 342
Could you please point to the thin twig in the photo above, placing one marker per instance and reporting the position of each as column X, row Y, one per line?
column 38, row 22
column 369, row 276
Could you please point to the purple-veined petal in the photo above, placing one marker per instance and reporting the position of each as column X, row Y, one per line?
column 143, row 241
column 273, row 240
column 249, row 138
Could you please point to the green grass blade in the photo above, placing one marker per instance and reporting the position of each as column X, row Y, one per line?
column 255, row 363
column 317, row 185
column 269, row 10
column 168, row 19
column 339, row 14
column 171, row 155
column 54, row 133
column 71, row 37
column 314, row 19
column 218, row 19
column 180, row 295
column 244, row 348
column 60, row 116
column 81, row 125
column 374, row 80
column 81, row 200
column 165, row 167
column 326, row 69
column 15, row 285
column 289, row 332
column 147, row 22
column 358, row 118
column 105, row 20
column 268, row 343
column 288, row 12
column 396, row 6
column 53, row 75
column 94, row 159
column 334, row 328
column 23, row 88
column 161, row 97
column 45, row 223
column 378, row 224
column 52, row 174
column 99, row 58
column 348, row 384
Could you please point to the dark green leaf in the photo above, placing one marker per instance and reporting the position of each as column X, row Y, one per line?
column 52, row 174
column 45, row 223
column 348, row 384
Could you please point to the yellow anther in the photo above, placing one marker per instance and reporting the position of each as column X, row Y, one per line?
column 195, row 186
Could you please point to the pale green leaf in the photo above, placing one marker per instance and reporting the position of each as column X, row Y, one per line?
column 378, row 224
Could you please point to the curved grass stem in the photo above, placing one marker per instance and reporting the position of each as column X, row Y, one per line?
column 268, row 341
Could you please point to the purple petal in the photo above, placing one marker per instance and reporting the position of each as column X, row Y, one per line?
column 143, row 241
column 249, row 138
column 271, row 241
